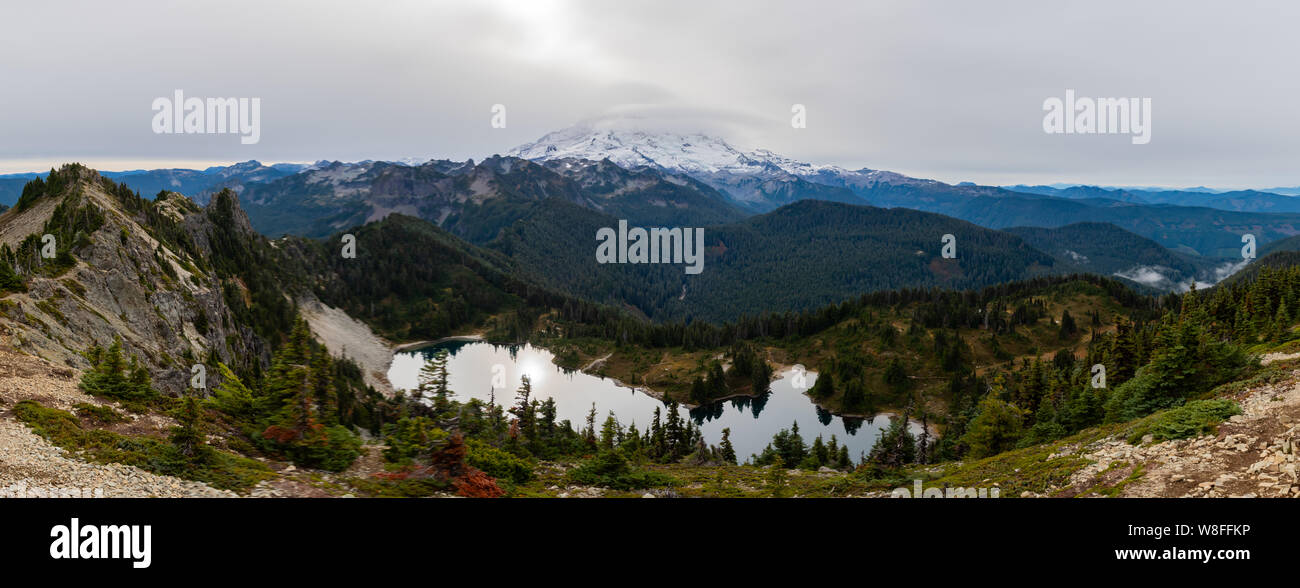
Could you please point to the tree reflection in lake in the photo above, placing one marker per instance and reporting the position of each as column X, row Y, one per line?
column 473, row 366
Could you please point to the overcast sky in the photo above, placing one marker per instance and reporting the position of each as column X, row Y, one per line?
column 945, row 90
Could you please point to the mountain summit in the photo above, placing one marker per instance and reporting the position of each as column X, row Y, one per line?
column 758, row 180
column 679, row 152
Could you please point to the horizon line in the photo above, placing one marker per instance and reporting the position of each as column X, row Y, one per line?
column 13, row 167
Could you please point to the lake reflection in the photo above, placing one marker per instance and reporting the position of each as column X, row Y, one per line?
column 753, row 421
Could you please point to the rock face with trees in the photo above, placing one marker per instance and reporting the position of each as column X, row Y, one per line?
column 175, row 284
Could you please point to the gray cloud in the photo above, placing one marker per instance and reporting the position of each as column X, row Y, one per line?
column 949, row 90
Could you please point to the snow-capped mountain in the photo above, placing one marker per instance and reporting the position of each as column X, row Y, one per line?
column 630, row 148
column 758, row 180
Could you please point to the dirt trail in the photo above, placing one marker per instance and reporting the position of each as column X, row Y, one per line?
column 1254, row 454
column 597, row 362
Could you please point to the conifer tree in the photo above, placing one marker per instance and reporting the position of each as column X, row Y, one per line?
column 995, row 429
column 231, row 396
column 188, row 436
column 434, row 381
column 824, row 387
column 818, row 453
column 1123, row 360
column 589, row 434
column 656, row 436
column 321, row 381
column 777, row 479
column 609, row 433
column 895, row 375
column 1068, row 327
column 673, row 433
column 728, row 451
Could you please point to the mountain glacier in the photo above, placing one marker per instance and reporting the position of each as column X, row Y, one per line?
column 759, row 180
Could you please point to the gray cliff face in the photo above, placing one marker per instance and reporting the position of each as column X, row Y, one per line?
column 165, row 303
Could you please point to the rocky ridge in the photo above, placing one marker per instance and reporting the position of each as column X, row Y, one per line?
column 126, row 283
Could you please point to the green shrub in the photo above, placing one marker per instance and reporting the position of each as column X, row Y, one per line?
column 411, row 437
column 113, row 377
column 497, row 463
column 1128, row 400
column 334, row 448
column 611, row 469
column 103, row 415
column 1196, row 418
column 399, row 488
column 10, row 281
column 232, row 397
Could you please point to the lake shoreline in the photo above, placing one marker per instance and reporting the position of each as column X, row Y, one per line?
column 779, row 368
column 400, row 347
column 780, row 405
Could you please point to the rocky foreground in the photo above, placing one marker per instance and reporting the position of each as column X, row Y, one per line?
column 30, row 466
column 1254, row 454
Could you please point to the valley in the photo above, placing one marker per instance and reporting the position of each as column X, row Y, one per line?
column 294, row 277
column 553, row 374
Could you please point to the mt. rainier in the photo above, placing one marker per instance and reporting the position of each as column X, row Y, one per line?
column 687, row 153
column 758, row 180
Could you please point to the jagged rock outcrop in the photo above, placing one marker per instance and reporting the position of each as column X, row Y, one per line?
column 140, row 270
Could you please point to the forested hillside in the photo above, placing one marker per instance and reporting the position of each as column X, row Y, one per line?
column 801, row 256
column 1105, row 249
column 413, row 281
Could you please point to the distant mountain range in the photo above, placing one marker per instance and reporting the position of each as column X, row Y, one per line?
column 474, row 200
column 542, row 203
column 197, row 184
column 537, row 222
column 759, row 181
column 1275, row 200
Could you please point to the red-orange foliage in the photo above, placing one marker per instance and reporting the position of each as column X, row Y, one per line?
column 280, row 434
column 402, row 474
column 448, row 464
column 476, row 484
column 313, row 433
